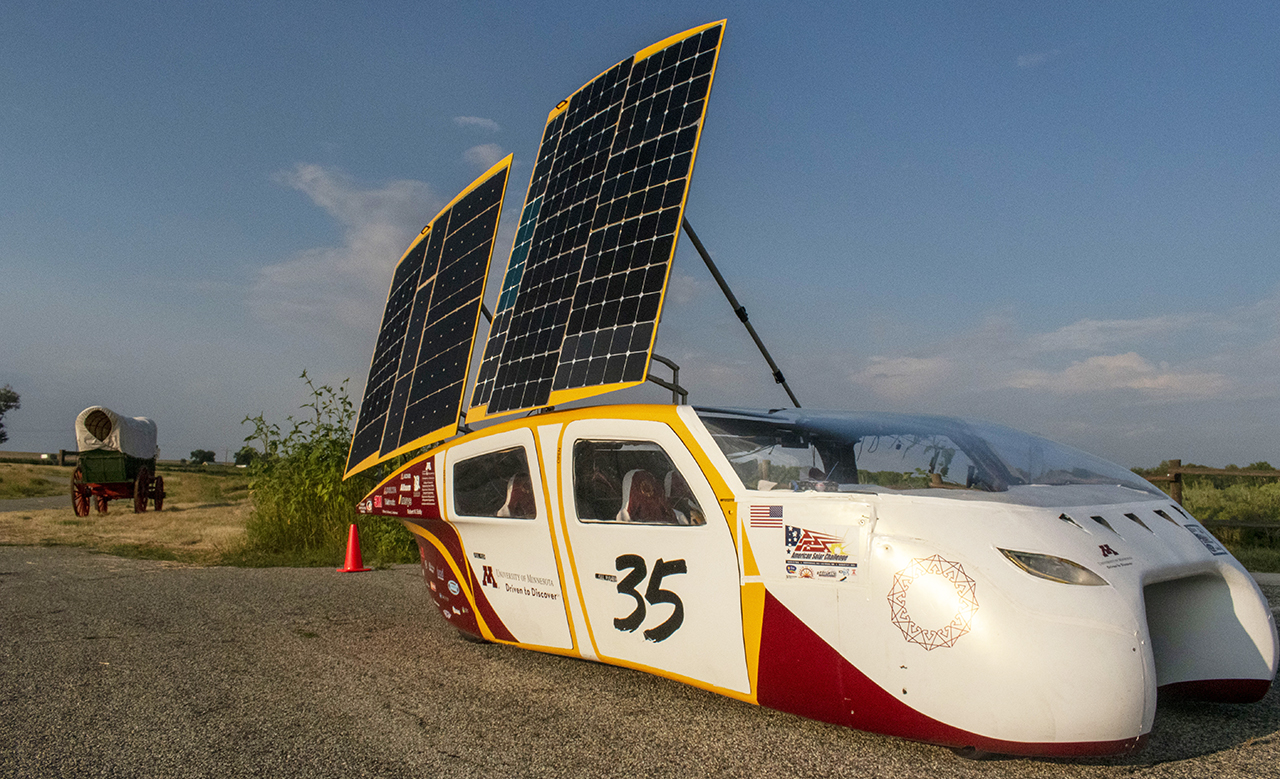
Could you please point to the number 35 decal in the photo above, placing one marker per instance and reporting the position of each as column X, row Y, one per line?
column 654, row 594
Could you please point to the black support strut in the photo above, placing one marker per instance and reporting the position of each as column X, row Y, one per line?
column 739, row 310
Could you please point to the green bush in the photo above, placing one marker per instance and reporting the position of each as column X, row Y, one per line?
column 301, row 506
column 1235, row 502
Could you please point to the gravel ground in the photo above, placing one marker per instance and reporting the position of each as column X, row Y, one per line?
column 116, row 667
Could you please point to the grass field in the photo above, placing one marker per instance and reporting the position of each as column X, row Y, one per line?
column 206, row 511
column 203, row 520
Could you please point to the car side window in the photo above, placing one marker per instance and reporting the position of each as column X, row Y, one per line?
column 631, row 482
column 494, row 484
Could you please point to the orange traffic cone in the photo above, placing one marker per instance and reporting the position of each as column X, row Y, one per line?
column 354, row 563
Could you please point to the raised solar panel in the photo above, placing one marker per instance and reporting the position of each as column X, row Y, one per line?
column 583, row 291
column 417, row 377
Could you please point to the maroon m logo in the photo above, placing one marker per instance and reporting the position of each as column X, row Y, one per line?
column 492, row 582
column 1107, row 551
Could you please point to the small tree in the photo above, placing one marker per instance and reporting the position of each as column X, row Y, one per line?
column 246, row 455
column 202, row 456
column 8, row 400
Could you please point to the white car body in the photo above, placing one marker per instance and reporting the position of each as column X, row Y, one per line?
column 885, row 609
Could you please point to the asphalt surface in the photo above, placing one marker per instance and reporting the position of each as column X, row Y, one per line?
column 116, row 667
column 35, row 504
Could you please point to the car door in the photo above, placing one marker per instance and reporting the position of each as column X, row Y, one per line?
column 655, row 563
column 497, row 502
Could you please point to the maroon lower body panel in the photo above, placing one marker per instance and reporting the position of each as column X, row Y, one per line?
column 802, row 674
column 1217, row 690
column 444, row 597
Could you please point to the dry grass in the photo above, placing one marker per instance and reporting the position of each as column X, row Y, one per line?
column 203, row 519
column 20, row 480
column 189, row 532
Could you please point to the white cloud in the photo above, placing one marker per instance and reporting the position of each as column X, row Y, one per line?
column 1036, row 59
column 486, row 155
column 683, row 289
column 1221, row 356
column 347, row 283
column 1094, row 334
column 899, row 378
column 1128, row 371
column 477, row 121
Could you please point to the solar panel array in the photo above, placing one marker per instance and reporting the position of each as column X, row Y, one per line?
column 414, row 393
column 583, row 290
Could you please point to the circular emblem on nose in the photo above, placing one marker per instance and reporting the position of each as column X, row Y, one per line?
column 944, row 602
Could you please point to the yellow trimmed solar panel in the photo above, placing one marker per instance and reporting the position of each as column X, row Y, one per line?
column 583, row 290
column 417, row 377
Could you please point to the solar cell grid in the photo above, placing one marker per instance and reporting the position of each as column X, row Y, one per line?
column 386, row 356
column 414, row 392
column 593, row 251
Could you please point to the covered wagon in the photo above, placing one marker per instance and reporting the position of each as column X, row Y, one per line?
column 117, row 459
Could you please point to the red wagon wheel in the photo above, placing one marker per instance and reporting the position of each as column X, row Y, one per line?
column 79, row 494
column 101, row 502
column 141, row 484
column 158, row 492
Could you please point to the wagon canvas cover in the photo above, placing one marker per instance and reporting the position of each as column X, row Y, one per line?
column 101, row 428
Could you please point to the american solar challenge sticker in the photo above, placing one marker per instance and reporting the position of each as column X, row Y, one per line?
column 414, row 393
column 583, row 290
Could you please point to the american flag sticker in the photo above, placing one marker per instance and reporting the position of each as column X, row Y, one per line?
column 766, row 516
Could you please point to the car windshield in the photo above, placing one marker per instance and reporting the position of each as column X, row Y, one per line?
column 834, row 451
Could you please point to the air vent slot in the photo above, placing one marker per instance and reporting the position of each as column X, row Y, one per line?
column 1162, row 513
column 1134, row 517
column 1102, row 521
column 1066, row 518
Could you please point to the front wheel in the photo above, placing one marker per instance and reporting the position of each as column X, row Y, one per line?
column 79, row 493
column 158, row 492
column 141, row 483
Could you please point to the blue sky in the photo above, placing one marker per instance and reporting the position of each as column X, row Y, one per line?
column 1057, row 216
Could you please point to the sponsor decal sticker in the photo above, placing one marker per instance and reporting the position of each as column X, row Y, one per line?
column 1112, row 559
column 1207, row 539
column 453, row 587
column 478, row 555
column 809, row 552
column 606, row 577
column 377, row 501
column 521, row 583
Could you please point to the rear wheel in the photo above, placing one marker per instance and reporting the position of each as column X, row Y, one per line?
column 100, row 501
column 158, row 492
column 79, row 494
column 141, row 483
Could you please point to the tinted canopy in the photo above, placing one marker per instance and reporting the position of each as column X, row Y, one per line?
column 870, row 452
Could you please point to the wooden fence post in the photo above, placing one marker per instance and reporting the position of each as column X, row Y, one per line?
column 1175, row 481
